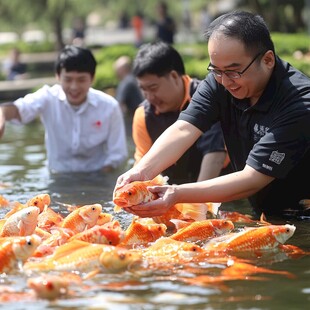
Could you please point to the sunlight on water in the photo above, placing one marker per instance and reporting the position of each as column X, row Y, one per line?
column 178, row 286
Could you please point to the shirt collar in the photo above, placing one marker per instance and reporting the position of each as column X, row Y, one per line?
column 187, row 97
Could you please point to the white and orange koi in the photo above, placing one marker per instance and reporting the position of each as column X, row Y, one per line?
column 48, row 218
column 188, row 212
column 237, row 217
column 16, row 250
column 166, row 250
column 75, row 255
column 142, row 231
column 21, row 223
column 104, row 218
column 117, row 259
column 82, row 218
column 50, row 287
column 109, row 233
column 203, row 230
column 136, row 193
column 252, row 239
column 41, row 201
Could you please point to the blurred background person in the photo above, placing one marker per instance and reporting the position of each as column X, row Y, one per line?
column 13, row 68
column 128, row 93
column 165, row 24
column 78, row 32
column 137, row 23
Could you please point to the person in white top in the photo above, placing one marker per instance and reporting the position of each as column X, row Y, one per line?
column 84, row 127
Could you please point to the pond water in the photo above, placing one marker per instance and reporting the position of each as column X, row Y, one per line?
column 23, row 170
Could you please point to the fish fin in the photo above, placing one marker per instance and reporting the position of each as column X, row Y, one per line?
column 21, row 228
column 195, row 211
column 160, row 180
column 117, row 209
column 263, row 220
column 179, row 223
column 69, row 247
column 91, row 274
column 214, row 208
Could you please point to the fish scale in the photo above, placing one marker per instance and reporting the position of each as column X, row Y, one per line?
column 73, row 256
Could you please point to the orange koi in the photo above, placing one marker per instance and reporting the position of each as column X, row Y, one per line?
column 49, row 218
column 166, row 250
column 41, row 201
column 188, row 212
column 109, row 233
column 253, row 239
column 21, row 223
column 3, row 201
column 104, row 218
column 117, row 259
column 136, row 192
column 237, row 217
column 82, row 218
column 202, row 230
column 72, row 256
column 51, row 287
column 16, row 250
column 142, row 231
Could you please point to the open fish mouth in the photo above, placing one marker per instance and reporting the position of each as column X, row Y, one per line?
column 120, row 202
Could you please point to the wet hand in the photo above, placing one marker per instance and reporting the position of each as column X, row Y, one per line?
column 166, row 199
column 130, row 176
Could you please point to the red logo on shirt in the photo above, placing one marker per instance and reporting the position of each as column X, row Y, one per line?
column 98, row 124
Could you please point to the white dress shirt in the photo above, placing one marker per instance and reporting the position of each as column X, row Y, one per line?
column 82, row 139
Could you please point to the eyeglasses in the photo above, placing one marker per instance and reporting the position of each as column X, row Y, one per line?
column 231, row 74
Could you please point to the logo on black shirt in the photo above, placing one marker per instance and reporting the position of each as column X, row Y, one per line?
column 276, row 157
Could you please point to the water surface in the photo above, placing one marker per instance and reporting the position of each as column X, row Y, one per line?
column 23, row 170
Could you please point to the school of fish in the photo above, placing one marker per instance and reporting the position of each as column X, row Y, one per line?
column 59, row 252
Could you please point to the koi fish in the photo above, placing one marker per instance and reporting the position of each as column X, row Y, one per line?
column 202, row 230
column 188, row 212
column 73, row 256
column 166, row 250
column 41, row 201
column 104, row 218
column 119, row 259
column 3, row 201
column 50, row 287
column 237, row 217
column 142, row 231
column 109, row 233
column 136, row 192
column 49, row 218
column 21, row 223
column 16, row 250
column 253, row 239
column 82, row 218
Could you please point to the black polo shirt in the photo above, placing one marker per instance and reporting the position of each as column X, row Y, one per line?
column 273, row 136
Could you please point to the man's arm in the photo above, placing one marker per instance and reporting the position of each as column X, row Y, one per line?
column 233, row 186
column 7, row 112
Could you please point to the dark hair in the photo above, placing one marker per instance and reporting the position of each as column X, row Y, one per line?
column 158, row 58
column 248, row 28
column 75, row 58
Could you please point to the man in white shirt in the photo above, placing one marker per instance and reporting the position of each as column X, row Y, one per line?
column 84, row 127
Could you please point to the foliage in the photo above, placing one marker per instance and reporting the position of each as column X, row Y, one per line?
column 196, row 57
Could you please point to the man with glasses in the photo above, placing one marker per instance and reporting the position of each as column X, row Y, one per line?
column 263, row 105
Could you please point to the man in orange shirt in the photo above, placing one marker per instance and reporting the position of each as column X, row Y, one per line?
column 167, row 89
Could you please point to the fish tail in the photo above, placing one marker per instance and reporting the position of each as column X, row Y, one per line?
column 198, row 211
column 160, row 179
